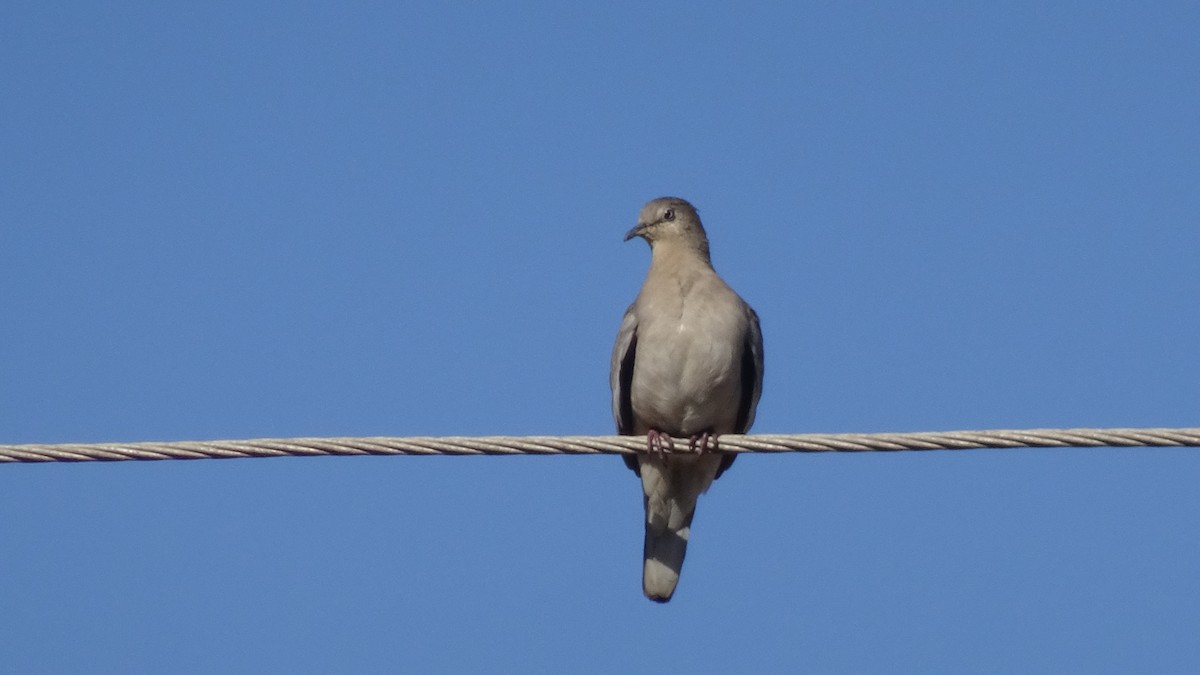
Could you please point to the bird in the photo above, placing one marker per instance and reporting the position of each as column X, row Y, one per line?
column 687, row 363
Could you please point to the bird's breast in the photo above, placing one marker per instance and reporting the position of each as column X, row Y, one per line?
column 687, row 372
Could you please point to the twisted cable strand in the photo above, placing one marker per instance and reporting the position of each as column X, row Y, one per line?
column 594, row 445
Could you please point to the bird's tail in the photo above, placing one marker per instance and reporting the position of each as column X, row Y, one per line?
column 671, row 485
column 663, row 558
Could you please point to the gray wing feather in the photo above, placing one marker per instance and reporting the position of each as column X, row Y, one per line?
column 752, row 375
column 621, row 379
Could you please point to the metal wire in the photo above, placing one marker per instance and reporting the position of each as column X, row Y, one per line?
column 597, row 445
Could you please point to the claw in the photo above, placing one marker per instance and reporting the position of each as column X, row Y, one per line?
column 658, row 443
column 699, row 443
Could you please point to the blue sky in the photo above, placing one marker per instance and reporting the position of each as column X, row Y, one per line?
column 235, row 220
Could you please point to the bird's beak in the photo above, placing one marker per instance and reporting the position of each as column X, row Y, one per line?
column 637, row 231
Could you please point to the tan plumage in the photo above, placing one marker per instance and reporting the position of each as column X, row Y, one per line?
column 688, row 361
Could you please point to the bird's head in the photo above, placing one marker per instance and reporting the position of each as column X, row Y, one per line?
column 670, row 219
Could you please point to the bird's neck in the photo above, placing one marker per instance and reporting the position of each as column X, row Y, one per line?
column 681, row 254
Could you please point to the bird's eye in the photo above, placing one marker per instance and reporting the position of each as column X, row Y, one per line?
column 669, row 214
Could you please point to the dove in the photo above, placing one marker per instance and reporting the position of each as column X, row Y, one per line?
column 687, row 363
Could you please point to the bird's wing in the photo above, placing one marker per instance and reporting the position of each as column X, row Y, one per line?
column 752, row 373
column 621, row 380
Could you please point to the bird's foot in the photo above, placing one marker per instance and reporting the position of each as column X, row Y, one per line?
column 699, row 443
column 659, row 444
